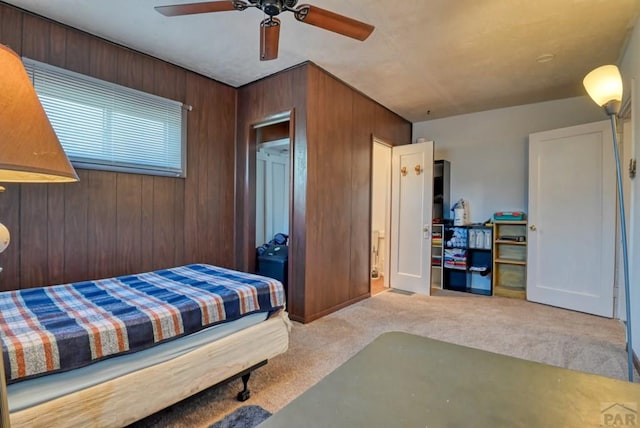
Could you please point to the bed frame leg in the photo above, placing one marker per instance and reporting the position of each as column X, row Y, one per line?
column 245, row 393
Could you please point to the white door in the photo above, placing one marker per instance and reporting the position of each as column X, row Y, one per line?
column 411, row 212
column 572, row 207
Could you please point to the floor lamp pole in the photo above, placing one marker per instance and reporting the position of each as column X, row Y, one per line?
column 625, row 254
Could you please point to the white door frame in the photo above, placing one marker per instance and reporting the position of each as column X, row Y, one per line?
column 387, row 238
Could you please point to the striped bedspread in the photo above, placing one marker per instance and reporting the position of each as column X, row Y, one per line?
column 68, row 326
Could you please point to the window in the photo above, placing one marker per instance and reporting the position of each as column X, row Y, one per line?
column 106, row 126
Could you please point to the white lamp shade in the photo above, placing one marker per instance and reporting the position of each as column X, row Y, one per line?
column 604, row 84
column 4, row 237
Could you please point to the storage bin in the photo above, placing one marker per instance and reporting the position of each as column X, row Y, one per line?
column 274, row 264
column 509, row 215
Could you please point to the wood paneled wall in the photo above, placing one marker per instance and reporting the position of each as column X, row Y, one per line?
column 341, row 123
column 115, row 223
column 257, row 102
column 331, row 203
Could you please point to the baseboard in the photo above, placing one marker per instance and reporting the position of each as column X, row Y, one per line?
column 320, row 314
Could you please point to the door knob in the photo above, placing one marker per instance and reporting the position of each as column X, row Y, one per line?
column 532, row 227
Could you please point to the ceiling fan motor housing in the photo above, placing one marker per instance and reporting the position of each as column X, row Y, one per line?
column 274, row 7
column 271, row 7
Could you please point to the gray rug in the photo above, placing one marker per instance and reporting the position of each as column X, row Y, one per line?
column 243, row 417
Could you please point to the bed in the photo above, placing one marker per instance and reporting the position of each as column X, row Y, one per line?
column 112, row 351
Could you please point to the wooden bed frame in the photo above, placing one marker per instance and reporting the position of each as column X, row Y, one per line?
column 131, row 397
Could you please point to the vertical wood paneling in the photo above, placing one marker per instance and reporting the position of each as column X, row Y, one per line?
column 57, row 46
column 195, row 120
column 220, row 155
column 146, row 224
column 163, row 222
column 328, row 191
column 101, row 224
column 78, row 52
column 55, row 234
column 130, row 69
column 210, row 180
column 169, row 81
column 363, row 123
column 179, row 222
column 76, row 203
column 11, row 28
column 35, row 38
column 34, row 235
column 103, row 60
column 128, row 223
column 390, row 127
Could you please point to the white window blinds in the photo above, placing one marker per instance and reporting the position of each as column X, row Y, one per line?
column 102, row 125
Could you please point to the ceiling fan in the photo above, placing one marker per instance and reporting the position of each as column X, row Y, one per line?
column 270, row 27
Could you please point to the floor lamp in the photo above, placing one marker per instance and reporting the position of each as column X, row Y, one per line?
column 604, row 86
column 29, row 152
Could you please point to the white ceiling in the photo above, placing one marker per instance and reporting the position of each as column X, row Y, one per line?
column 448, row 57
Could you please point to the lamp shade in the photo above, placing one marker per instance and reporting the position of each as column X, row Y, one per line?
column 29, row 148
column 604, row 84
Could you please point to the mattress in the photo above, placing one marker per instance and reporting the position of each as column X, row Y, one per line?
column 128, row 398
column 59, row 328
column 35, row 391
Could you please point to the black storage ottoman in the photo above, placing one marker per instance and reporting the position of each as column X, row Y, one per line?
column 274, row 264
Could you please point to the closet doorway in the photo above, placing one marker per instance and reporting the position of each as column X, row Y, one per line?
column 380, row 216
column 273, row 151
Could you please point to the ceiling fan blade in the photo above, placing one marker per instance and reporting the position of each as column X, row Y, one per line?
column 193, row 8
column 332, row 21
column 269, row 39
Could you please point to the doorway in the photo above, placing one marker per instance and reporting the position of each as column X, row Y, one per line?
column 273, row 199
column 380, row 216
column 272, row 181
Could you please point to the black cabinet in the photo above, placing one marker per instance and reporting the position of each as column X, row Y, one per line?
column 467, row 259
column 441, row 174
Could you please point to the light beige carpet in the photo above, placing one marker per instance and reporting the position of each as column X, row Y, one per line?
column 506, row 326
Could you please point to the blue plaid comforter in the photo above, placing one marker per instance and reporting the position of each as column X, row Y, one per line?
column 63, row 327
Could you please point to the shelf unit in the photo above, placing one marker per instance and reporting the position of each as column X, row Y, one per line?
column 437, row 251
column 510, row 258
column 467, row 259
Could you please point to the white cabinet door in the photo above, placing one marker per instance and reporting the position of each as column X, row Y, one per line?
column 572, row 207
column 411, row 212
